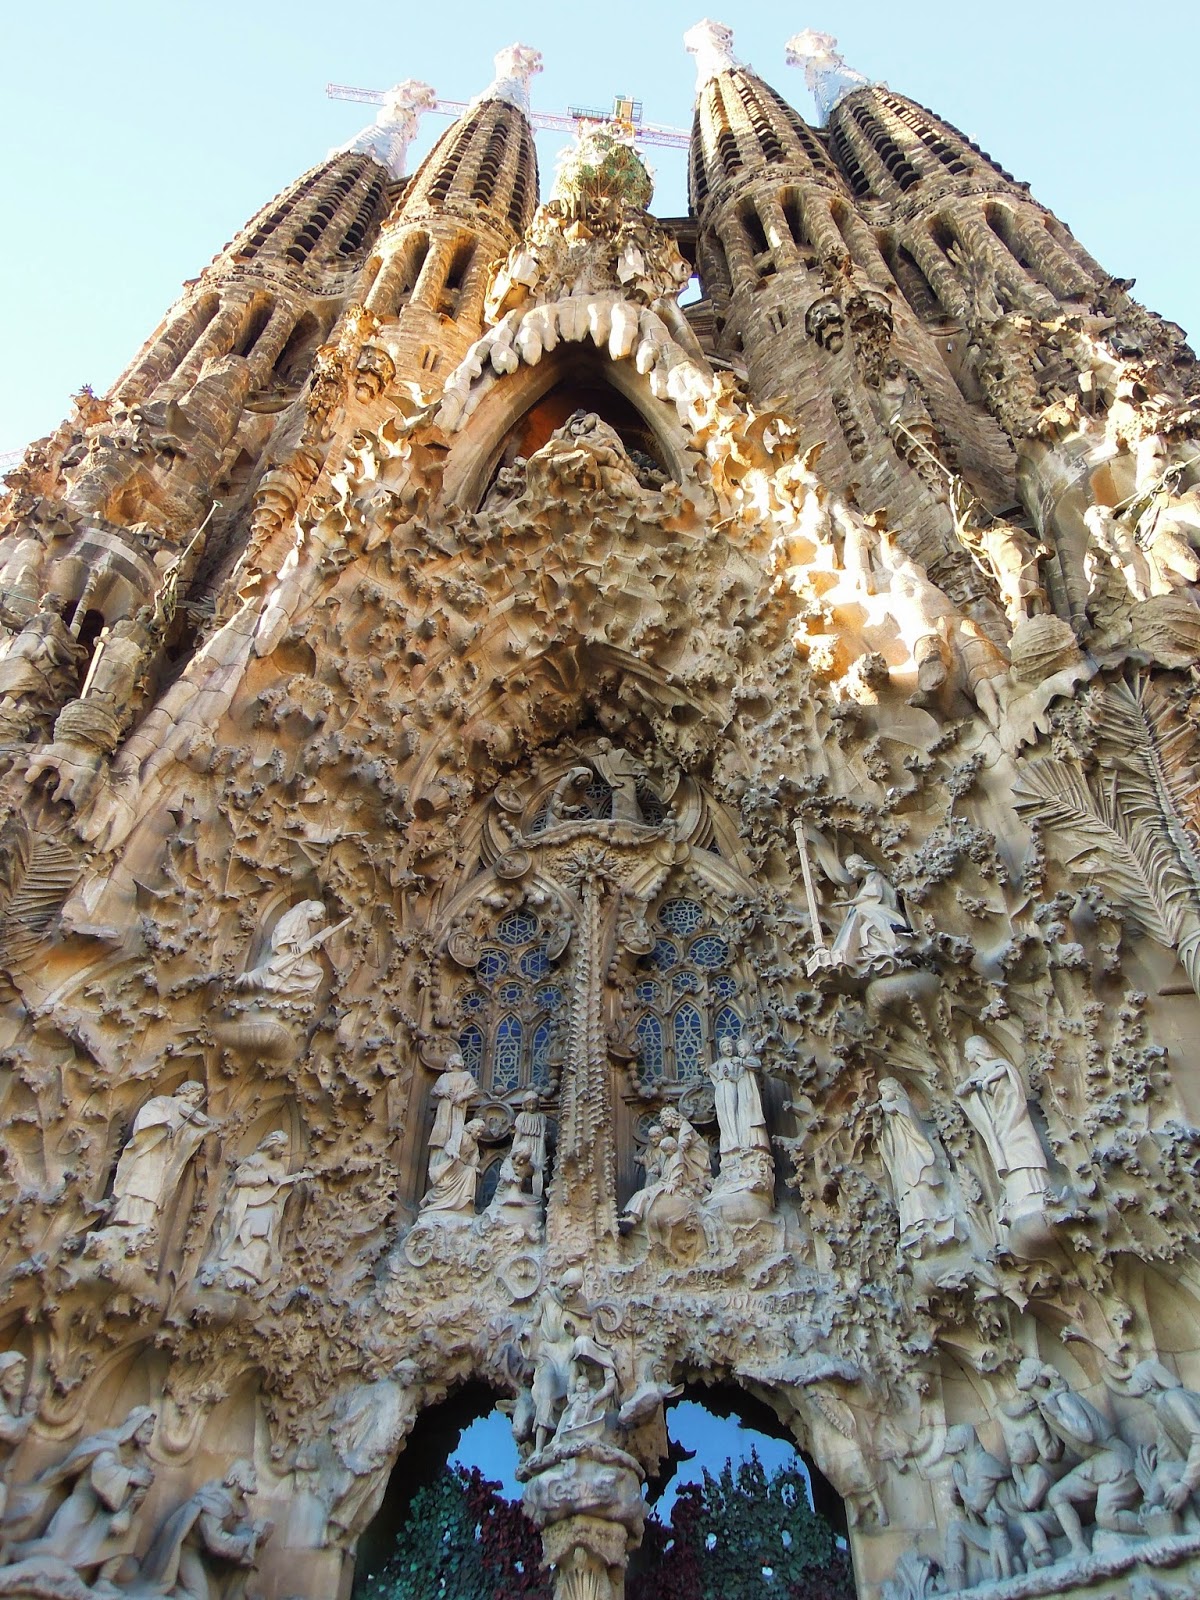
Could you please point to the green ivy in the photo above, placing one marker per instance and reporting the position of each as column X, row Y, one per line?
column 743, row 1535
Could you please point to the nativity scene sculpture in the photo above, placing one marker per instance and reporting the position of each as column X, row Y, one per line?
column 566, row 843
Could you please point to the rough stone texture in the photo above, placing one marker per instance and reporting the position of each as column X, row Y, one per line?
column 553, row 840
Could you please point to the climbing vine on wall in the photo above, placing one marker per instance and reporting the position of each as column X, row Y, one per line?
column 743, row 1533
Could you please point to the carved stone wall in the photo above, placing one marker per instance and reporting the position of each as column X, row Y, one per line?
column 655, row 847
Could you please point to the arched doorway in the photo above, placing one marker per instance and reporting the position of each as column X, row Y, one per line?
column 734, row 1499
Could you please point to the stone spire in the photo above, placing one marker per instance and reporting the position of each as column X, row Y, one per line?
column 516, row 64
column 828, row 77
column 394, row 129
column 712, row 45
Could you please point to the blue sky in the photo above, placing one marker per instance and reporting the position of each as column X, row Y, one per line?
column 139, row 134
column 488, row 1445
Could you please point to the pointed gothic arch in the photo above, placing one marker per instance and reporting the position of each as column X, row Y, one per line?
column 479, row 447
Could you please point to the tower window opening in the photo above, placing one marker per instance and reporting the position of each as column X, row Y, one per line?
column 767, row 139
column 448, row 165
column 416, row 251
column 258, row 320
column 487, row 176
column 794, row 217
column 850, row 164
column 913, row 283
column 755, row 232
column 521, row 186
column 451, row 295
column 295, row 358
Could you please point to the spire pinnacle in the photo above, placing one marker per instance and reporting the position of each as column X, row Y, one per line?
column 515, row 66
column 712, row 45
column 828, row 77
column 395, row 128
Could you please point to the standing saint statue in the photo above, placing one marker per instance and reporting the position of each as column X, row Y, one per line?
column 529, row 1142
column 917, row 1178
column 736, row 1095
column 245, row 1254
column 994, row 1098
column 166, row 1133
column 452, row 1094
column 620, row 771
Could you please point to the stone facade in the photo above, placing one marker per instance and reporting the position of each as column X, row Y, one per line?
column 555, row 839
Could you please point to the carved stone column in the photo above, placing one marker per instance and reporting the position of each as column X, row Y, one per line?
column 583, row 1208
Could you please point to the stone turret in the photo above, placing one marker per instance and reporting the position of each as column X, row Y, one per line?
column 467, row 205
column 805, row 299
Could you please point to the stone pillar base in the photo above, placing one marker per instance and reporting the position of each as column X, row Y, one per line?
column 588, row 1555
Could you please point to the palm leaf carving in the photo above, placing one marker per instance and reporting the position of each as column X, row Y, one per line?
column 1125, row 830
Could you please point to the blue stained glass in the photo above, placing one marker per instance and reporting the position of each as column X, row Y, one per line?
column 650, row 1041
column 727, row 1024
column 510, row 994
column 685, row 983
column 470, row 1042
column 506, row 1058
column 490, row 965
column 538, row 825
column 648, row 992
column 681, row 916
column 549, row 997
column 517, row 928
column 724, row 986
column 688, row 1041
column 473, row 1001
column 541, row 1056
column 664, row 955
column 535, row 963
column 710, row 951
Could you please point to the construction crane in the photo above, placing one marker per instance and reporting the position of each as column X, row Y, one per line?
column 625, row 116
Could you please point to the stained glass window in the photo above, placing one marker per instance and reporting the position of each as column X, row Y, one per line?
column 508, row 1014
column 726, row 1025
column 540, row 1055
column 710, row 951
column 506, row 1057
column 535, row 963
column 517, row 928
column 491, row 964
column 681, row 916
column 689, row 1042
column 664, row 955
column 470, row 1042
column 686, row 991
column 650, row 1040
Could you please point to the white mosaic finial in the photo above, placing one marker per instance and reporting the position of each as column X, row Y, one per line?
column 712, row 45
column 395, row 128
column 828, row 77
column 515, row 66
